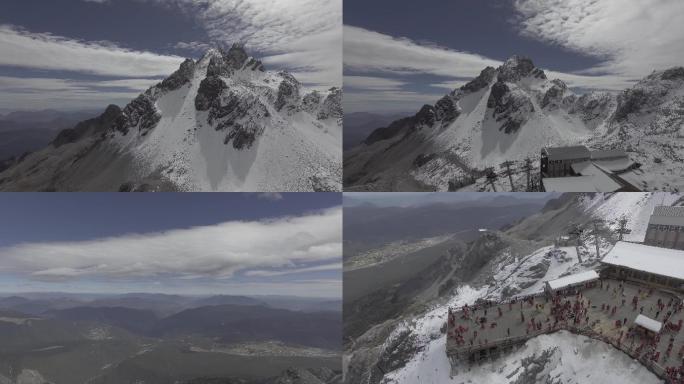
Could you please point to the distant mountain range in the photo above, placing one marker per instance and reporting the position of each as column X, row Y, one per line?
column 222, row 123
column 27, row 131
column 510, row 113
column 76, row 339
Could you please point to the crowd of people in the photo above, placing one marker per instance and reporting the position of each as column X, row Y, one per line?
column 608, row 317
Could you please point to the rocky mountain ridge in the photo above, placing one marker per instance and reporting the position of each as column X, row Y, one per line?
column 219, row 123
column 510, row 113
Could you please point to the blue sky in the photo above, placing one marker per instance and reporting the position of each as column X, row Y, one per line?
column 192, row 243
column 400, row 54
column 85, row 54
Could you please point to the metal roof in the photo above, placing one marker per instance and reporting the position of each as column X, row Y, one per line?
column 664, row 215
column 568, row 153
column 607, row 153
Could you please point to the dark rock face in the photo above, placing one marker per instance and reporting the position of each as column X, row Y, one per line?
column 255, row 65
column 140, row 113
column 518, row 67
column 554, row 95
column 218, row 67
column 423, row 159
column 630, row 101
column 311, row 101
column 424, row 117
column 288, row 92
column 499, row 90
column 240, row 117
column 590, row 106
column 236, row 56
column 332, row 105
column 179, row 78
column 208, row 93
column 673, row 73
column 446, row 110
column 508, row 108
column 481, row 81
column 96, row 126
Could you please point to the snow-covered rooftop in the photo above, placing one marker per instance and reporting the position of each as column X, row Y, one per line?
column 572, row 280
column 594, row 183
column 656, row 260
column 648, row 323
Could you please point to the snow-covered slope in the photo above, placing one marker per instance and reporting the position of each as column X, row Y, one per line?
column 222, row 123
column 413, row 349
column 509, row 114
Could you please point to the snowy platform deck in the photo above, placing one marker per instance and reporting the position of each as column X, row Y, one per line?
column 489, row 331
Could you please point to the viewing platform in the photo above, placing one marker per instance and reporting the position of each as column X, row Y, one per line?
column 642, row 321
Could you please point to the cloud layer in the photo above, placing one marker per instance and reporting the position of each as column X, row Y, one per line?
column 634, row 37
column 45, row 51
column 304, row 36
column 217, row 251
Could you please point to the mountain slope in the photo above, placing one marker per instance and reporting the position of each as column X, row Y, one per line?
column 409, row 347
column 222, row 123
column 509, row 114
column 235, row 323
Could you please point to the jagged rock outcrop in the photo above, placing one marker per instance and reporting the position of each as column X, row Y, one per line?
column 446, row 110
column 510, row 108
column 95, row 127
column 288, row 92
column 140, row 113
column 179, row 78
column 332, row 105
column 481, row 81
column 518, row 67
column 554, row 95
column 208, row 93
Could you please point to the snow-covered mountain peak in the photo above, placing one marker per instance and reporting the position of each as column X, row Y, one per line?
column 508, row 114
column 518, row 67
column 220, row 123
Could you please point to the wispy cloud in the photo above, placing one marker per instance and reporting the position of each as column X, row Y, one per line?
column 20, row 92
column 304, row 36
column 634, row 37
column 317, row 268
column 372, row 83
column 216, row 251
column 366, row 50
column 26, row 49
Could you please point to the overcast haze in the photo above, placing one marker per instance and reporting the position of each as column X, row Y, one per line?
column 189, row 243
column 400, row 54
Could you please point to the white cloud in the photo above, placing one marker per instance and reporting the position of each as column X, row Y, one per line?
column 317, row 268
column 20, row 92
column 303, row 35
column 46, row 51
column 634, row 36
column 195, row 46
column 366, row 50
column 212, row 251
column 372, row 83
